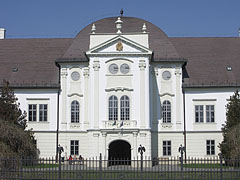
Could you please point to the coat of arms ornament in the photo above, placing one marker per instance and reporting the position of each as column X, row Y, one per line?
column 119, row 46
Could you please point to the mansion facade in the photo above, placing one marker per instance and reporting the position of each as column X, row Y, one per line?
column 122, row 82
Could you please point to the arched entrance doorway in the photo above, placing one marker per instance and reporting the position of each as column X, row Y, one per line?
column 119, row 153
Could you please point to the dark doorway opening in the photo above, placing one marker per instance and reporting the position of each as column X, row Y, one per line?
column 119, row 153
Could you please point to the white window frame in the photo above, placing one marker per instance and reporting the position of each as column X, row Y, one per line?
column 166, row 111
column 124, row 108
column 43, row 112
column 38, row 103
column 167, row 151
column 210, row 113
column 199, row 109
column 75, row 113
column 205, row 112
column 210, row 147
column 74, row 148
column 120, row 111
column 113, row 108
column 32, row 113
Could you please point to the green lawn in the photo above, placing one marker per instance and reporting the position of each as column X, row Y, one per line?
column 202, row 166
column 42, row 166
column 110, row 175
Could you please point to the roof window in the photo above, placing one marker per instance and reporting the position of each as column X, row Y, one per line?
column 229, row 68
column 15, row 69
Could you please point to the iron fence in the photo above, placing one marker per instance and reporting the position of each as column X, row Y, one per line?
column 135, row 169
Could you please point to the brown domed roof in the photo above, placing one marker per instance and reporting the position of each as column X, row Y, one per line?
column 158, row 40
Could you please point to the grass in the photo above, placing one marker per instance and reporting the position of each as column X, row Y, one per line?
column 42, row 166
column 133, row 175
column 202, row 166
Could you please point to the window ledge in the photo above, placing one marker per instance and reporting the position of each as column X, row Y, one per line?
column 204, row 123
column 41, row 122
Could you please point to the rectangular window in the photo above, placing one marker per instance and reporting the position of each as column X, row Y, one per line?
column 209, row 113
column 198, row 113
column 74, row 147
column 166, row 148
column 32, row 112
column 42, row 112
column 210, row 147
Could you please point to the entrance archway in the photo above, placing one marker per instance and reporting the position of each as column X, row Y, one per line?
column 119, row 153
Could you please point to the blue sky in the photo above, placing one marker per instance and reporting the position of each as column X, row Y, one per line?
column 65, row 18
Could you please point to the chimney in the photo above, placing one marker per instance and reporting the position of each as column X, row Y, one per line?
column 2, row 33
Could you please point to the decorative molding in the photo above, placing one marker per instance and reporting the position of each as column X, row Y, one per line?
column 167, row 125
column 178, row 72
column 135, row 134
column 115, row 40
column 104, row 134
column 38, row 99
column 166, row 94
column 75, row 125
column 155, row 71
column 114, row 59
column 86, row 72
column 75, row 94
column 95, row 134
column 118, row 89
column 74, row 67
column 96, row 65
column 142, row 65
column 64, row 74
column 143, row 134
column 204, row 100
column 118, row 54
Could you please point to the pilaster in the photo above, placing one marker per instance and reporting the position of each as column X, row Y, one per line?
column 86, row 99
column 178, row 74
column 135, row 134
column 142, row 66
column 96, row 67
column 64, row 96
column 104, row 144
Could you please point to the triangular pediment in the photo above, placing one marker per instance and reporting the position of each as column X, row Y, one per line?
column 119, row 45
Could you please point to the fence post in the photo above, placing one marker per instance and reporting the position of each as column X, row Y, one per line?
column 221, row 168
column 59, row 167
column 182, row 164
column 21, row 168
column 100, row 166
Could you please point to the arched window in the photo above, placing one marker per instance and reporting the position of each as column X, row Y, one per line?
column 125, row 107
column 75, row 112
column 113, row 108
column 166, row 112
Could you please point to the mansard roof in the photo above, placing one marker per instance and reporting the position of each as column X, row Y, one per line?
column 31, row 62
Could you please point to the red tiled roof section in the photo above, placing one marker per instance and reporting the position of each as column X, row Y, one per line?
column 34, row 59
column 208, row 59
column 158, row 40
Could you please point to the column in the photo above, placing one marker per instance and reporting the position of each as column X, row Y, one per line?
column 86, row 99
column 96, row 67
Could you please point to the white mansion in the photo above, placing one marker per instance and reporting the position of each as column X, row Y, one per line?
column 122, row 82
